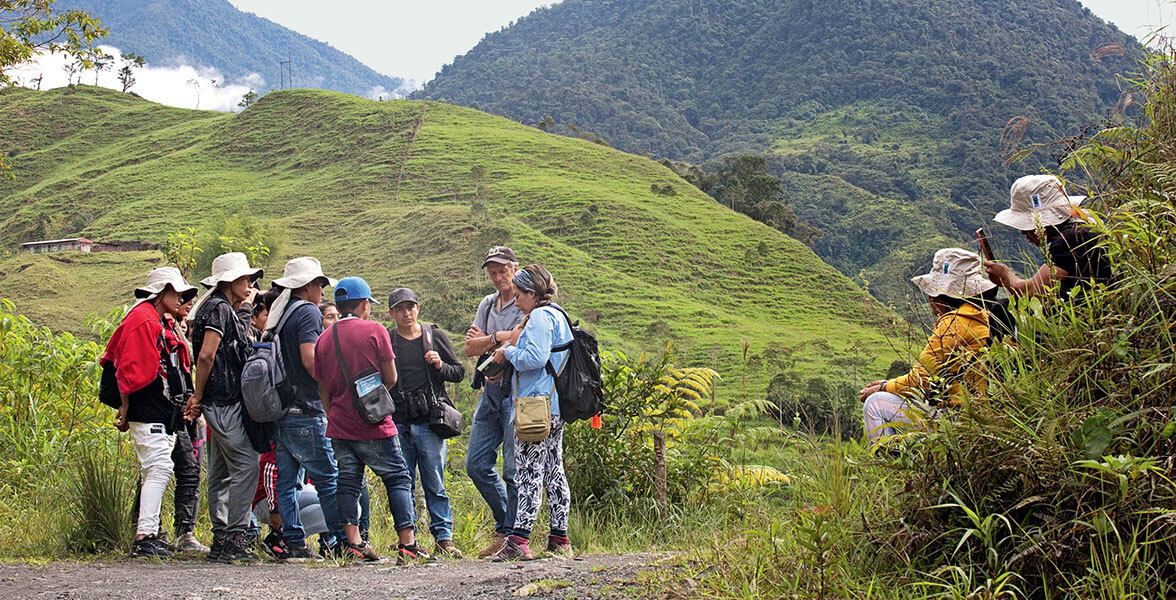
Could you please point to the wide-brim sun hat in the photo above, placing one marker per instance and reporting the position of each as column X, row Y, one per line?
column 954, row 272
column 1038, row 200
column 160, row 279
column 231, row 267
column 301, row 271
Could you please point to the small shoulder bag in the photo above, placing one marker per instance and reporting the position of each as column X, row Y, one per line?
column 368, row 394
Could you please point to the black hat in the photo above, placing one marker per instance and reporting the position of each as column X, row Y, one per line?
column 499, row 254
column 399, row 295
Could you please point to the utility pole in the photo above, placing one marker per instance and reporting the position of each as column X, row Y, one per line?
column 287, row 67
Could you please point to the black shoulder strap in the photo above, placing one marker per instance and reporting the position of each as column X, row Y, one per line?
column 560, row 348
column 343, row 361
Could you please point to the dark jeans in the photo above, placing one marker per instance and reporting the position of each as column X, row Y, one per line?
column 383, row 457
column 301, row 442
column 187, row 492
column 493, row 426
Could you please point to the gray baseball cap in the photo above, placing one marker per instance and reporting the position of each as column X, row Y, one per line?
column 399, row 295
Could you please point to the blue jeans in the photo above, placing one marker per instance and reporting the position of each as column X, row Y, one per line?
column 301, row 442
column 383, row 457
column 425, row 452
column 494, row 424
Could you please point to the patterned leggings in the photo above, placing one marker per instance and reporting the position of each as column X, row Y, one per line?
column 539, row 465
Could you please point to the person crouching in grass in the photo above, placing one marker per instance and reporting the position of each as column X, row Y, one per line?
column 362, row 345
column 141, row 358
column 956, row 291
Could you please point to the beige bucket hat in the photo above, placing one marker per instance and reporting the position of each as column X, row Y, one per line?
column 298, row 272
column 231, row 267
column 955, row 272
column 159, row 279
column 1038, row 199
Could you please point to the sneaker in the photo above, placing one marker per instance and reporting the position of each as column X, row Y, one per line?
column 275, row 546
column 335, row 550
column 217, row 550
column 237, row 550
column 411, row 553
column 495, row 546
column 559, row 545
column 150, row 547
column 303, row 554
column 187, row 542
column 361, row 551
column 516, row 548
column 446, row 549
column 162, row 540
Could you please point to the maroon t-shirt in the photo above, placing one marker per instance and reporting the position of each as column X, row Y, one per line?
column 365, row 344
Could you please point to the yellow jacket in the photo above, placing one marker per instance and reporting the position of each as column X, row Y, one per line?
column 949, row 358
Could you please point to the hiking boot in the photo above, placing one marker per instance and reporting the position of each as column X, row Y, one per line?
column 560, row 546
column 412, row 553
column 361, row 551
column 495, row 546
column 187, row 542
column 301, row 555
column 515, row 548
column 217, row 550
column 237, row 550
column 275, row 546
column 150, row 547
column 446, row 549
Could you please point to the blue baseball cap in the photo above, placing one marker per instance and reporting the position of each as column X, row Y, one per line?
column 353, row 288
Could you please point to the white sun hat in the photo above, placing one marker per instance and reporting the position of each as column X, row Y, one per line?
column 298, row 272
column 1038, row 199
column 955, row 272
column 230, row 267
column 160, row 279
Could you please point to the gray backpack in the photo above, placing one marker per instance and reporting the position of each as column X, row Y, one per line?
column 265, row 386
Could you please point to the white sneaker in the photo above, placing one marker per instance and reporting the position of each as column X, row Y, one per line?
column 189, row 543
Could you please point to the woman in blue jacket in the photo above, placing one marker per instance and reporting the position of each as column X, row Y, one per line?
column 538, row 464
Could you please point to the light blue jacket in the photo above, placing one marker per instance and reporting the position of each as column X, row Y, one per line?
column 546, row 329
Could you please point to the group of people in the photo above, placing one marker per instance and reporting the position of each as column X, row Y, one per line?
column 962, row 291
column 177, row 362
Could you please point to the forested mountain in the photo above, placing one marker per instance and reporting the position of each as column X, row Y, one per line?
column 213, row 33
column 884, row 118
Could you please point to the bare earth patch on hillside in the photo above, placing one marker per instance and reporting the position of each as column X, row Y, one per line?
column 597, row 576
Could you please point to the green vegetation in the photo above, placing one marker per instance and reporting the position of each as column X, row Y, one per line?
column 885, row 119
column 412, row 193
column 213, row 33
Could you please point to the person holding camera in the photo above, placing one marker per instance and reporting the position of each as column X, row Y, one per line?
column 425, row 360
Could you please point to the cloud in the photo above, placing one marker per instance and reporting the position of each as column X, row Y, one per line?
column 183, row 86
column 406, row 87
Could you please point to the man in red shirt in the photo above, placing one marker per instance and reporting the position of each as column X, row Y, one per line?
column 363, row 345
column 146, row 368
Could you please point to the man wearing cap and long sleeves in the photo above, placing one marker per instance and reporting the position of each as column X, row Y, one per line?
column 1075, row 258
column 221, row 344
column 141, row 358
column 495, row 322
column 301, row 435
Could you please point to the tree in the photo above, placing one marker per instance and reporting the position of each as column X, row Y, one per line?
column 126, row 74
column 195, row 83
column 248, row 99
column 102, row 63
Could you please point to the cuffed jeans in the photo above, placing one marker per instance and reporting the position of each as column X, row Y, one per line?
column 232, row 471
column 383, row 457
column 153, row 448
column 425, row 452
column 493, row 426
column 301, row 441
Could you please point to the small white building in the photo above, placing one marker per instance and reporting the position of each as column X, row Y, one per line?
column 66, row 245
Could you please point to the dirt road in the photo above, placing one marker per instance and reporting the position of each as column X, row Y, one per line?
column 603, row 576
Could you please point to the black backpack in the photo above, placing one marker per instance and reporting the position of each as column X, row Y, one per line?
column 581, row 392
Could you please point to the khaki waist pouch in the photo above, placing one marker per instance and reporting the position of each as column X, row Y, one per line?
column 532, row 418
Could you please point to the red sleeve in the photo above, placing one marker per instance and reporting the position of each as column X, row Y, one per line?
column 138, row 357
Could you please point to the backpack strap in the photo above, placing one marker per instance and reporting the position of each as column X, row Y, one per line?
column 427, row 346
column 561, row 347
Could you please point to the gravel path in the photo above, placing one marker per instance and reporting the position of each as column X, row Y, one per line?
column 585, row 577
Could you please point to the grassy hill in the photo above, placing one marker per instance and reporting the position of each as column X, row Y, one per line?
column 883, row 117
column 412, row 193
column 214, row 33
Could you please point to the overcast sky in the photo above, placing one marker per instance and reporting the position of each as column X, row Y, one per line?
column 413, row 38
